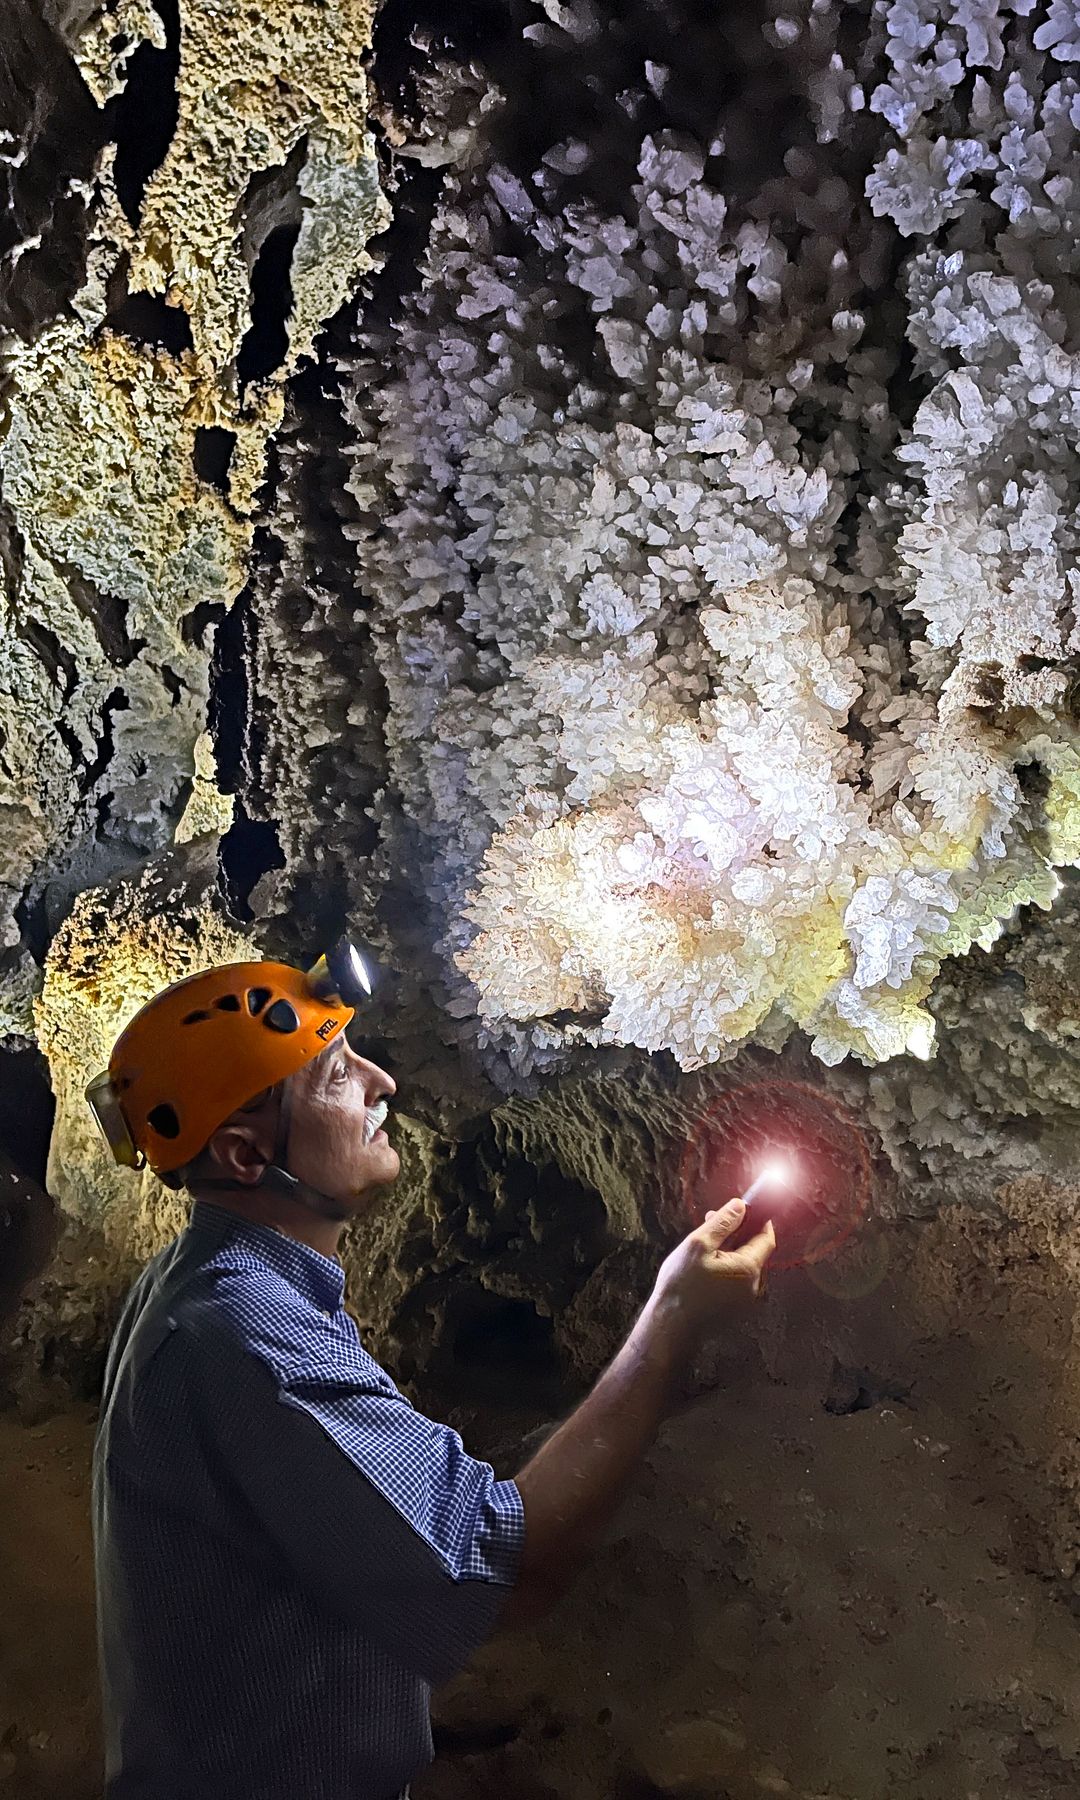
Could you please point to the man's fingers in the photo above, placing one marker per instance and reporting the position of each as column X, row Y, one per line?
column 754, row 1254
column 758, row 1251
column 719, row 1225
column 762, row 1246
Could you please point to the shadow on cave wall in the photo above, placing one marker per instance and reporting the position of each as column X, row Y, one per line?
column 512, row 1245
column 29, row 1217
column 49, row 111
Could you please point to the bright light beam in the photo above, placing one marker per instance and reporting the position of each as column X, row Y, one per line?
column 774, row 1174
column 359, row 968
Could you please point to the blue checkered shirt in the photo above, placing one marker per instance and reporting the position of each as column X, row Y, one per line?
column 288, row 1556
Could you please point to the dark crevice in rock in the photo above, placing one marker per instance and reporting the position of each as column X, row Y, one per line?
column 149, row 319
column 907, row 387
column 212, row 455
column 208, row 616
column 107, row 613
column 304, row 598
column 414, row 191
column 29, row 1221
column 230, row 691
column 56, row 659
column 505, row 1337
column 247, row 852
column 55, row 131
column 174, row 687
column 266, row 342
column 272, row 199
column 72, row 744
column 252, row 846
column 32, row 918
column 93, row 771
column 12, row 550
column 27, row 1107
column 142, row 117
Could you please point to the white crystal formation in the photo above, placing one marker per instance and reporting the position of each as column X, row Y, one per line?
column 722, row 544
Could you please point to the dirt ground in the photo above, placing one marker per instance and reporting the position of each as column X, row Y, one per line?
column 825, row 1595
column 49, row 1730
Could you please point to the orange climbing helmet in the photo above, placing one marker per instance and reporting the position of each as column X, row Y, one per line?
column 212, row 1042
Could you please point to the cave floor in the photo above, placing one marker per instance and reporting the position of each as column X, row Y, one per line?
column 793, row 1601
column 49, row 1730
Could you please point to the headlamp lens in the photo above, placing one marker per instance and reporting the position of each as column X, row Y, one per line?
column 358, row 971
column 344, row 974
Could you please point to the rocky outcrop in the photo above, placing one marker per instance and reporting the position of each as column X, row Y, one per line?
column 192, row 191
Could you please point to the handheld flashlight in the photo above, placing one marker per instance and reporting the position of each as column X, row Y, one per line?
column 774, row 1174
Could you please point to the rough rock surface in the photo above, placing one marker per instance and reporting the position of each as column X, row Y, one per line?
column 644, row 605
column 824, row 1585
column 829, row 1582
column 192, row 191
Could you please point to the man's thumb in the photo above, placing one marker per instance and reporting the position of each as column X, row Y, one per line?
column 719, row 1225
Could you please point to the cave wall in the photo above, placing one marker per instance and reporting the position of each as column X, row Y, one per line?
column 657, row 549
column 588, row 497
column 192, row 192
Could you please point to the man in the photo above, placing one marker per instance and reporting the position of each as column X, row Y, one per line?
column 288, row 1555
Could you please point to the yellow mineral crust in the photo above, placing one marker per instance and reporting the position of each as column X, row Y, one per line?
column 253, row 82
column 116, row 537
column 98, row 465
column 116, row 950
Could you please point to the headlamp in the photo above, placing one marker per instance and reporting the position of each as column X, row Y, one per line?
column 343, row 974
column 103, row 1103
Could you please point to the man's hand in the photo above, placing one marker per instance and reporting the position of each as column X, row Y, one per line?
column 700, row 1281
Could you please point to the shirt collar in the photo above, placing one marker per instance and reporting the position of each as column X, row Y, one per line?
column 319, row 1279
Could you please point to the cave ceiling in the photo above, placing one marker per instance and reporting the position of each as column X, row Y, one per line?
column 586, row 496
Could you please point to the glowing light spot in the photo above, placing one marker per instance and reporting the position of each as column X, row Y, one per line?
column 778, row 1174
column 749, row 1135
column 921, row 1034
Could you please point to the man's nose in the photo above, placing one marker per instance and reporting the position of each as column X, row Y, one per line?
column 377, row 1082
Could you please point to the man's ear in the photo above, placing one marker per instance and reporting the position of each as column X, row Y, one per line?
column 237, row 1152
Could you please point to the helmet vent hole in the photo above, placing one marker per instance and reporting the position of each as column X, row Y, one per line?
column 164, row 1121
column 228, row 1003
column 282, row 1017
column 195, row 1017
column 257, row 999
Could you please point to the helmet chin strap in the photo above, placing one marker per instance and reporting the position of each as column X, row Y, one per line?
column 276, row 1174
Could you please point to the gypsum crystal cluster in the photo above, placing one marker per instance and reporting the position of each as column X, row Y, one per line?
column 723, row 548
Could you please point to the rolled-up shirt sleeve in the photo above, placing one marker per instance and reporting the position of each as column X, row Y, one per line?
column 378, row 1512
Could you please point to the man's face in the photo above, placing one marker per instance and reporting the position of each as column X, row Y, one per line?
column 332, row 1146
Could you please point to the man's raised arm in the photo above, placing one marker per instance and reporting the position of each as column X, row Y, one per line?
column 573, row 1483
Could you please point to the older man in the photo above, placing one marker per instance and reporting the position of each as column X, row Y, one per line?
column 289, row 1556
